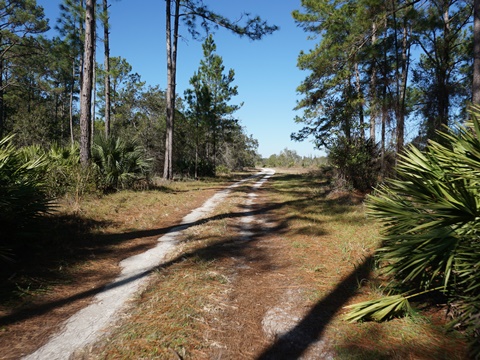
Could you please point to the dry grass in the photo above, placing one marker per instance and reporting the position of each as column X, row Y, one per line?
column 77, row 252
column 309, row 249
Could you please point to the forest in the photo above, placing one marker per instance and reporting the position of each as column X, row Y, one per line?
column 392, row 93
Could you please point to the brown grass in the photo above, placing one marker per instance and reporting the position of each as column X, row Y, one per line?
column 310, row 250
column 76, row 252
column 310, row 253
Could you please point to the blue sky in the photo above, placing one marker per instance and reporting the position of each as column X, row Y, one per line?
column 265, row 70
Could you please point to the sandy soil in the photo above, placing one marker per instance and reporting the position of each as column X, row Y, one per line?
column 88, row 324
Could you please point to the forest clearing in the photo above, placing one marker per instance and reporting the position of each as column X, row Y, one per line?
column 277, row 292
column 135, row 220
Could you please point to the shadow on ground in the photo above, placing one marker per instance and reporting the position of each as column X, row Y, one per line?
column 82, row 244
column 309, row 330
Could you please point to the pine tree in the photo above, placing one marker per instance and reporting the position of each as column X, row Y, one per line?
column 440, row 74
column 210, row 98
column 70, row 25
column 19, row 21
column 87, row 84
column 193, row 11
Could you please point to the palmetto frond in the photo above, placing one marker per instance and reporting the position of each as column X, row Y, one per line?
column 22, row 184
column 431, row 218
column 119, row 162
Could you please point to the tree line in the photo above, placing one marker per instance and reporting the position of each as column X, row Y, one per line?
column 54, row 89
column 395, row 85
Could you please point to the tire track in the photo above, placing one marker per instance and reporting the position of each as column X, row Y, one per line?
column 88, row 324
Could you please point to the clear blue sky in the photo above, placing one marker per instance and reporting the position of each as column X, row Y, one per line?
column 266, row 72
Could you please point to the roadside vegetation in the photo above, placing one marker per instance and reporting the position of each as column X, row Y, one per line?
column 52, row 267
column 309, row 240
column 290, row 159
column 430, row 216
column 326, row 245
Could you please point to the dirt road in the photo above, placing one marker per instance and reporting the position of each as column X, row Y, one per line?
column 87, row 325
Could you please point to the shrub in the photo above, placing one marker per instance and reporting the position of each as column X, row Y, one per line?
column 357, row 162
column 119, row 163
column 222, row 170
column 431, row 238
column 23, row 191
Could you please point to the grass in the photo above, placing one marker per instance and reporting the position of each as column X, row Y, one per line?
column 209, row 300
column 321, row 238
column 75, row 252
column 173, row 317
column 159, row 325
column 78, row 233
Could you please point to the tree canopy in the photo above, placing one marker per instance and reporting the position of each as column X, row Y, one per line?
column 395, row 68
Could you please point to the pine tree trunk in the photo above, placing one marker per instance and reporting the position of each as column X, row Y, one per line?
column 476, row 53
column 401, row 75
column 358, row 88
column 94, row 92
column 172, row 40
column 82, row 53
column 373, row 89
column 403, row 89
column 87, row 84
column 70, row 105
column 196, row 148
column 106, row 35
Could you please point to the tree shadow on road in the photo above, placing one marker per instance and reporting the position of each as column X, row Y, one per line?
column 309, row 330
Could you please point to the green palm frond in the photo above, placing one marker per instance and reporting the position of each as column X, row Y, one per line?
column 382, row 309
column 23, row 193
column 431, row 225
column 119, row 163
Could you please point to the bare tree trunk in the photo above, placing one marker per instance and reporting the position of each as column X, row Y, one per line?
column 476, row 53
column 86, row 93
column 358, row 88
column 401, row 75
column 172, row 40
column 106, row 42
column 383, row 135
column 94, row 89
column 373, row 89
column 70, row 105
column 82, row 55
column 398, row 117
column 196, row 148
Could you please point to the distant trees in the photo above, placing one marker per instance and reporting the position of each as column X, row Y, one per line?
column 71, row 27
column 47, row 86
column 20, row 20
column 289, row 158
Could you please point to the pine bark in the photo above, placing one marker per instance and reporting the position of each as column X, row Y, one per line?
column 70, row 103
column 373, row 89
column 106, row 36
column 476, row 53
column 87, row 84
column 171, row 39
